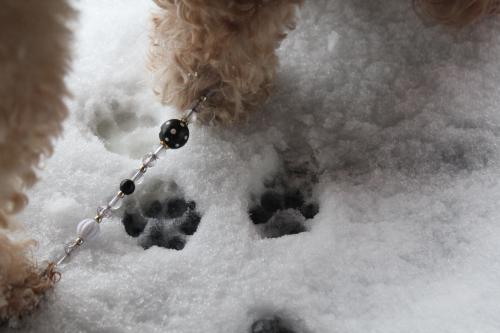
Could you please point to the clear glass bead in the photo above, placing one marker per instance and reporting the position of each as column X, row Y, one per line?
column 137, row 177
column 149, row 160
column 104, row 211
column 115, row 202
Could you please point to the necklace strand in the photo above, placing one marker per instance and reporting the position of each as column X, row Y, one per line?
column 174, row 134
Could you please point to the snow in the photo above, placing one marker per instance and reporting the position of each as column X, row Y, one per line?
column 401, row 118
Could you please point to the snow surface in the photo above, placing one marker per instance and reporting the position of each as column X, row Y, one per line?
column 402, row 119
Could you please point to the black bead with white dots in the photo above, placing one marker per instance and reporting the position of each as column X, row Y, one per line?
column 174, row 133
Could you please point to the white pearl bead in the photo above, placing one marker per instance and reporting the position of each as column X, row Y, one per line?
column 87, row 229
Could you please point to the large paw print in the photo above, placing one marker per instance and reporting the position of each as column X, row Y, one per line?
column 282, row 210
column 163, row 220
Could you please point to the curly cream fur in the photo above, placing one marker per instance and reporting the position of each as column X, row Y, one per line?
column 33, row 61
column 226, row 46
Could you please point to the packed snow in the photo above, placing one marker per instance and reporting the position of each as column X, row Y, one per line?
column 399, row 120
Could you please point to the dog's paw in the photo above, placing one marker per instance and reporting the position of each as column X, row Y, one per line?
column 282, row 210
column 270, row 325
column 161, row 217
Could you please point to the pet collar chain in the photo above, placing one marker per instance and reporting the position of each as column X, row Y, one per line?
column 174, row 134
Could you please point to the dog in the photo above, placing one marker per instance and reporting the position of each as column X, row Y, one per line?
column 226, row 47
column 34, row 58
column 229, row 47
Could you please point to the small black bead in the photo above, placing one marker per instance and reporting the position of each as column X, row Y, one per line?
column 271, row 201
column 190, row 223
column 176, row 208
column 127, row 186
column 259, row 215
column 174, row 133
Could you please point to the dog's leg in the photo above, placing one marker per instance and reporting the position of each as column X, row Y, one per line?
column 226, row 46
column 34, row 55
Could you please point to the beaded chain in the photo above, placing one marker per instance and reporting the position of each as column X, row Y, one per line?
column 174, row 134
